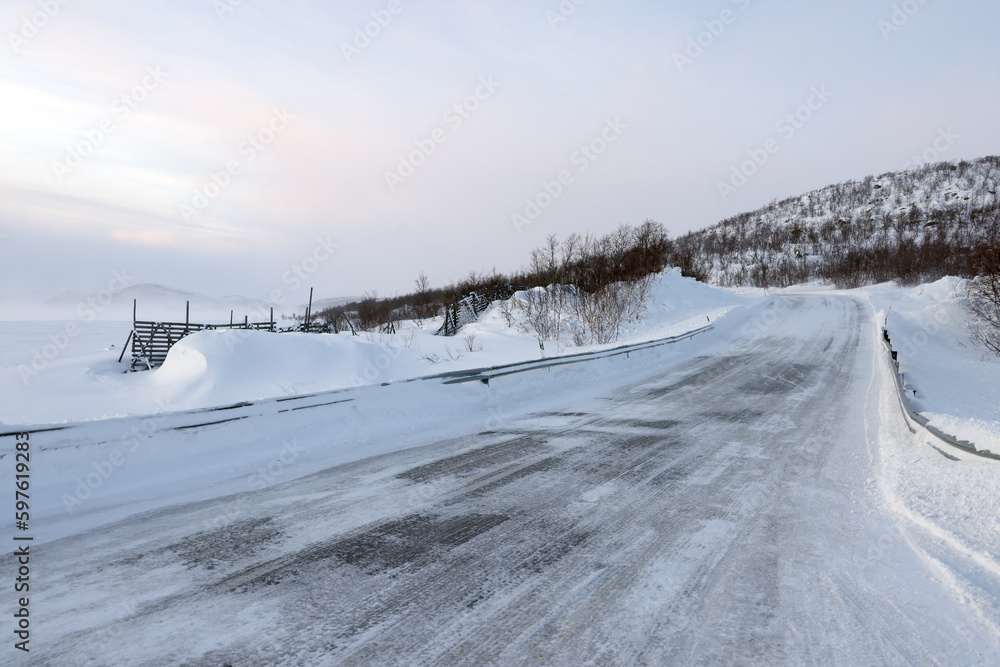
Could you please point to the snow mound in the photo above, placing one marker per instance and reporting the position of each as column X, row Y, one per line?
column 673, row 296
column 957, row 383
column 222, row 366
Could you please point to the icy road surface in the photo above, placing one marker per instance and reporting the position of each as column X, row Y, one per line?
column 720, row 510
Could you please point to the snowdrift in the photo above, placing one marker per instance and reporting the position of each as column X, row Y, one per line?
column 957, row 384
column 221, row 367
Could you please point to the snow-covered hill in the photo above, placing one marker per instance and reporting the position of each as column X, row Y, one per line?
column 912, row 226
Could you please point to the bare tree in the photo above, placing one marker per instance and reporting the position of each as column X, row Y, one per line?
column 983, row 301
column 422, row 296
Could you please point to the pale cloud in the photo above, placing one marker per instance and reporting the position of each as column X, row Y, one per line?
column 224, row 79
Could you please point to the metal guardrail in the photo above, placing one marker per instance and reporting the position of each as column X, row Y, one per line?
column 211, row 416
column 913, row 416
column 485, row 374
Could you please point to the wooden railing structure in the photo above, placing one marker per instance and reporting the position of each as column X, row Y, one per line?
column 469, row 308
column 151, row 341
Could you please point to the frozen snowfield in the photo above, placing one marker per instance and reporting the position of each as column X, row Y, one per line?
column 750, row 495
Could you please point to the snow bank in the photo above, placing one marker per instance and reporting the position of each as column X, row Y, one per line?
column 214, row 368
column 222, row 366
column 677, row 304
column 957, row 384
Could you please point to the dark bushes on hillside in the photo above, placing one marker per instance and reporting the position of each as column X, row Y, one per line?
column 911, row 227
column 983, row 299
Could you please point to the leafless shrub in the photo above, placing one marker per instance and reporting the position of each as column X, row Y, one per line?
column 370, row 312
column 408, row 338
column 472, row 344
column 422, row 297
column 982, row 300
column 506, row 310
column 578, row 264
column 593, row 285
column 604, row 312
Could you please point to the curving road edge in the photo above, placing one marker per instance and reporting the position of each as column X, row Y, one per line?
column 915, row 418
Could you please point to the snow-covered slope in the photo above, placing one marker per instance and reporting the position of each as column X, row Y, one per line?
column 916, row 226
column 84, row 379
column 957, row 384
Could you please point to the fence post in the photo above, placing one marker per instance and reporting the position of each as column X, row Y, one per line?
column 272, row 319
column 132, row 337
column 127, row 341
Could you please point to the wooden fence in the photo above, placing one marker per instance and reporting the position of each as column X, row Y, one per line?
column 469, row 308
column 151, row 341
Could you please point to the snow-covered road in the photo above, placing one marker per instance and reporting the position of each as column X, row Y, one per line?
column 722, row 503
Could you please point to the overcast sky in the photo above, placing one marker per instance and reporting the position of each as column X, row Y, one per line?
column 213, row 145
